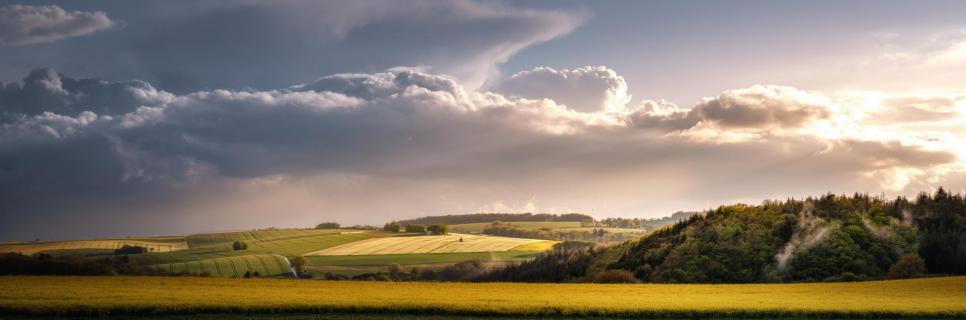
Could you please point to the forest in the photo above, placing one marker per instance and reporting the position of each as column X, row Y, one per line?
column 826, row 238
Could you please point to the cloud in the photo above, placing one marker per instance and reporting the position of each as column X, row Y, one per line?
column 45, row 90
column 755, row 109
column 25, row 25
column 186, row 47
column 585, row 89
column 363, row 148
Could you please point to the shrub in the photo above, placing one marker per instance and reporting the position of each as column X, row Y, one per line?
column 615, row 276
column 328, row 225
column 415, row 228
column 910, row 265
column 239, row 245
column 394, row 269
column 438, row 229
column 126, row 249
column 299, row 264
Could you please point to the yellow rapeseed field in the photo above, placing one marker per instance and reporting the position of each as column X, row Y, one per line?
column 449, row 243
column 164, row 295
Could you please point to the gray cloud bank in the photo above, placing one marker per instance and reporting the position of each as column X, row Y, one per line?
column 24, row 25
column 364, row 148
column 184, row 47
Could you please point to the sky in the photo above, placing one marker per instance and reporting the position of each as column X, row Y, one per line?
column 159, row 117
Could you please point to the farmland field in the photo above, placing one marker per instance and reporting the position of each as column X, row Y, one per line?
column 478, row 227
column 264, row 264
column 449, row 243
column 290, row 246
column 154, row 244
column 39, row 296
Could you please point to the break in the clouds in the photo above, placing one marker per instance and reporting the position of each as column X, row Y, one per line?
column 370, row 147
column 24, row 25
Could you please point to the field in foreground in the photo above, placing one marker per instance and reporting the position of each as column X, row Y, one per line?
column 931, row 297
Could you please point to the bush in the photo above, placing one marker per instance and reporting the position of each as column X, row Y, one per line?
column 615, row 276
column 910, row 265
column 126, row 249
column 415, row 228
column 438, row 229
column 394, row 269
column 239, row 245
column 299, row 264
column 391, row 227
column 328, row 225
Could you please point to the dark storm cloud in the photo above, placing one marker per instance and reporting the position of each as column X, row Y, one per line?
column 186, row 47
column 369, row 145
column 24, row 25
column 45, row 90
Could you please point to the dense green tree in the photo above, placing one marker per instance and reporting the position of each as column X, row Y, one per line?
column 328, row 225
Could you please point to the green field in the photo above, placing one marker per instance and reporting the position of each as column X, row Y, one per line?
column 212, row 253
column 154, row 244
column 419, row 258
column 478, row 227
column 40, row 296
column 264, row 264
column 205, row 240
column 290, row 246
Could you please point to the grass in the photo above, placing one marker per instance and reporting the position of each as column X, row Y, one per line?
column 449, row 243
column 288, row 246
column 39, row 296
column 264, row 264
column 478, row 227
column 611, row 230
column 205, row 240
column 419, row 258
column 155, row 244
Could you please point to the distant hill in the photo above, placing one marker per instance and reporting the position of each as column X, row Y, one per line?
column 504, row 217
column 828, row 238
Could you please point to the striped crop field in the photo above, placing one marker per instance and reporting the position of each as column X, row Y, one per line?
column 286, row 246
column 154, row 244
column 264, row 264
column 449, row 243
column 158, row 296
column 204, row 240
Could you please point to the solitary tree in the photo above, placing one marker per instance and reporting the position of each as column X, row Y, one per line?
column 394, row 269
column 239, row 245
column 299, row 263
column 328, row 225
column 910, row 265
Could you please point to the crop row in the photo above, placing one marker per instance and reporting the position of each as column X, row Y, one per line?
column 264, row 264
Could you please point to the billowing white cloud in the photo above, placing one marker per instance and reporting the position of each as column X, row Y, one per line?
column 364, row 148
column 24, row 25
column 585, row 89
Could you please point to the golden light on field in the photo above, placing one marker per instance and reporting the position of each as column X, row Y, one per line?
column 152, row 295
column 450, row 243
